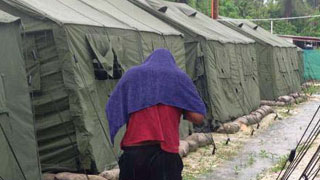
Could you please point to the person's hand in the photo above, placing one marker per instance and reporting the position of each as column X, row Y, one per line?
column 194, row 117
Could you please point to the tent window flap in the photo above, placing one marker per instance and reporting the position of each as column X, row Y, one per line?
column 102, row 49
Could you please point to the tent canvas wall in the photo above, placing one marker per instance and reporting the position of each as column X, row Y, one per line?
column 64, row 41
column 312, row 64
column 221, row 62
column 301, row 64
column 278, row 60
column 17, row 134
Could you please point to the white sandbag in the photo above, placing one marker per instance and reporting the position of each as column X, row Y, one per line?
column 48, row 176
column 258, row 116
column 72, row 176
column 286, row 99
column 262, row 112
column 229, row 128
column 112, row 174
column 242, row 120
column 268, row 103
column 251, row 119
column 267, row 109
column 193, row 137
column 202, row 139
column 193, row 145
column 295, row 95
column 183, row 148
column 280, row 103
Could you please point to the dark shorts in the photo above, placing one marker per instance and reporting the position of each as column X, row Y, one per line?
column 149, row 163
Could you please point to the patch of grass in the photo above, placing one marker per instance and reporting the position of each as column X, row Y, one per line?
column 236, row 169
column 251, row 159
column 281, row 162
column 202, row 161
column 311, row 89
column 259, row 176
column 189, row 177
column 264, row 154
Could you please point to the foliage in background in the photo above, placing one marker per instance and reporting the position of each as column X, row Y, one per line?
column 257, row 9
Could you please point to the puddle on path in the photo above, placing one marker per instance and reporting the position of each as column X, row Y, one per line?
column 262, row 151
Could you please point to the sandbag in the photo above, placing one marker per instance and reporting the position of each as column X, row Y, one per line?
column 262, row 112
column 204, row 139
column 72, row 176
column 267, row 109
column 268, row 103
column 183, row 148
column 286, row 99
column 112, row 174
column 280, row 103
column 295, row 95
column 193, row 145
column 193, row 137
column 251, row 119
column 242, row 120
column 48, row 176
column 258, row 116
column 229, row 128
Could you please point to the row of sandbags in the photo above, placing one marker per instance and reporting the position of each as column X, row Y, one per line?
column 189, row 144
column 253, row 118
column 73, row 176
column 106, row 175
column 285, row 100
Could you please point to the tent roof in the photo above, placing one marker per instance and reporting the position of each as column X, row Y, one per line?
column 198, row 23
column 102, row 13
column 258, row 33
column 7, row 18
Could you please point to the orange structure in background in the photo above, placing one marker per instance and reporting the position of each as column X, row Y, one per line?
column 214, row 9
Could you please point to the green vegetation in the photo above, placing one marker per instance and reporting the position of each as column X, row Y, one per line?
column 251, row 159
column 258, row 9
column 311, row 89
column 281, row 162
column 236, row 169
column 264, row 154
column 202, row 161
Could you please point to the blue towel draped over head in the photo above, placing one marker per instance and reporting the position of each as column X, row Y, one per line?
column 157, row 81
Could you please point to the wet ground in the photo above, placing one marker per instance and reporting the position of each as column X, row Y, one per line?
column 263, row 150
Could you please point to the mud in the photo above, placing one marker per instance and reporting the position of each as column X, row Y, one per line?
column 264, row 150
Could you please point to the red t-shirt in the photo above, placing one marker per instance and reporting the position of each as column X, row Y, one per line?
column 156, row 123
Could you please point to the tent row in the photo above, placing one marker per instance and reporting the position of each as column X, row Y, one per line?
column 280, row 66
column 221, row 61
column 72, row 54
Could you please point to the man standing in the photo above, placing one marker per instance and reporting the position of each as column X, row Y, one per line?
column 150, row 99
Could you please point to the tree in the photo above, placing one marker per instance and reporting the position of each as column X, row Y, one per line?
column 248, row 9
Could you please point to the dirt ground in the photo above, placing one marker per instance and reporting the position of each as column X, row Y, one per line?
column 240, row 159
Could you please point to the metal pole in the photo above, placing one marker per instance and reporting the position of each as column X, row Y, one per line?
column 212, row 2
column 271, row 27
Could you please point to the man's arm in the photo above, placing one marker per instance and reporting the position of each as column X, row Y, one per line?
column 194, row 117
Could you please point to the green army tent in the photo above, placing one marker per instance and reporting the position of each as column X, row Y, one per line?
column 221, row 61
column 76, row 51
column 18, row 149
column 278, row 60
column 301, row 64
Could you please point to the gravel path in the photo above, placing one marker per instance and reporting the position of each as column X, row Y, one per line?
column 263, row 150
